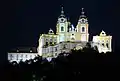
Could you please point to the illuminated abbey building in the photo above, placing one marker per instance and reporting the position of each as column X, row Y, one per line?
column 67, row 37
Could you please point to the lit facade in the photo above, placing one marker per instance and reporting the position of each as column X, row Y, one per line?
column 21, row 56
column 103, row 42
column 71, row 37
column 68, row 37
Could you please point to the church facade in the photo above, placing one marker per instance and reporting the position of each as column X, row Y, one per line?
column 68, row 37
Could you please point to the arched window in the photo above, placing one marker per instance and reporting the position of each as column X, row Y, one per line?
column 55, row 48
column 72, row 38
column 62, row 28
column 46, row 43
column 83, row 29
column 107, row 45
column 103, row 44
column 50, row 41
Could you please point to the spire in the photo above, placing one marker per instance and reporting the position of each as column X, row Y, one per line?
column 62, row 12
column 82, row 11
column 83, row 18
column 62, row 15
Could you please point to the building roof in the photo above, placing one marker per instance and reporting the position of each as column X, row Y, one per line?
column 24, row 50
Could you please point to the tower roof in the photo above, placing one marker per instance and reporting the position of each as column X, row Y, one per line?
column 102, row 33
column 62, row 12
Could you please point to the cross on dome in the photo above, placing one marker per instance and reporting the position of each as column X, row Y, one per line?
column 82, row 14
column 62, row 12
column 82, row 11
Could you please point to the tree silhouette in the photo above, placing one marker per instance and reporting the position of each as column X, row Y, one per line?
column 86, row 64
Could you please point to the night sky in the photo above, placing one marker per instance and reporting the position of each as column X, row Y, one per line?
column 24, row 20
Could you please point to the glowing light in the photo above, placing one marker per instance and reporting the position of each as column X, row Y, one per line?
column 49, row 58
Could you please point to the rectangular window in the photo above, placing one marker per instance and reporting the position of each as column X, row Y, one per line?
column 17, row 57
column 11, row 56
column 30, row 56
column 22, row 56
column 55, row 48
column 26, row 56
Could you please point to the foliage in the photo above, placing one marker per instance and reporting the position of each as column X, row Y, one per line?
column 86, row 64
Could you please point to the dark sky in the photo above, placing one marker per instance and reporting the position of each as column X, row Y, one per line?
column 24, row 20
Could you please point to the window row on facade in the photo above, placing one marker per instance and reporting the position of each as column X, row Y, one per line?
column 20, row 56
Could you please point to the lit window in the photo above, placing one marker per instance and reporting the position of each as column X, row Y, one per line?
column 83, row 29
column 62, row 28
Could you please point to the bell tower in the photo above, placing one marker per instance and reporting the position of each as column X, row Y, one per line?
column 82, row 27
column 62, row 27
